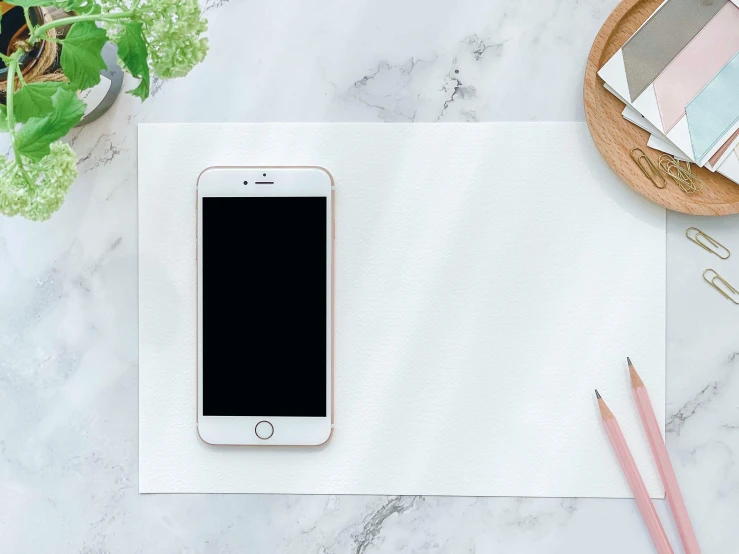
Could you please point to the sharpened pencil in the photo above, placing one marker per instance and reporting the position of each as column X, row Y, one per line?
column 662, row 459
column 628, row 465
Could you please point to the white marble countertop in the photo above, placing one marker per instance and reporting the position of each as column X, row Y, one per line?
column 68, row 289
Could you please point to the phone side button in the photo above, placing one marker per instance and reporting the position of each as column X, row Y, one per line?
column 264, row 430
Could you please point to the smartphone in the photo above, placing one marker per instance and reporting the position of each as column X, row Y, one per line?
column 265, row 250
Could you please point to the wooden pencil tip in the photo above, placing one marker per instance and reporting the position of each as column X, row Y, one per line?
column 605, row 413
column 597, row 394
column 636, row 381
column 629, row 360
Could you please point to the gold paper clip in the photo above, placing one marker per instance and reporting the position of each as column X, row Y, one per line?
column 688, row 182
column 648, row 168
column 732, row 293
column 710, row 244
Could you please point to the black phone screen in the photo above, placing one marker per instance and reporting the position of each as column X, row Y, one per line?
column 264, row 306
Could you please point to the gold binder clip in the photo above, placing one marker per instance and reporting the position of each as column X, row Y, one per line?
column 710, row 244
column 731, row 293
column 648, row 168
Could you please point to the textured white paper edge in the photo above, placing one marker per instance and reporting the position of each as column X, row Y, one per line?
column 633, row 116
column 730, row 168
column 613, row 74
column 659, row 144
column 656, row 139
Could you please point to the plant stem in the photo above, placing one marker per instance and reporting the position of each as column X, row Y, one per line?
column 40, row 32
column 9, row 93
column 28, row 20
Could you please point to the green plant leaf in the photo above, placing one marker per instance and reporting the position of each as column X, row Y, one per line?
column 80, row 7
column 34, row 137
column 28, row 3
column 34, row 100
column 3, row 119
column 81, row 58
column 133, row 53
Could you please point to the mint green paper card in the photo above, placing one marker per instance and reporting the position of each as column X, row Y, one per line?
column 715, row 110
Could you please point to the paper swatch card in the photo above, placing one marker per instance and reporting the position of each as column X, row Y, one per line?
column 653, row 47
column 714, row 112
column 730, row 167
column 488, row 278
column 677, row 71
column 696, row 65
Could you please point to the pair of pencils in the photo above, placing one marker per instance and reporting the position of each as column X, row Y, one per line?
column 666, row 471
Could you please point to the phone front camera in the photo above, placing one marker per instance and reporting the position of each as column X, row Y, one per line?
column 264, row 174
column 246, row 182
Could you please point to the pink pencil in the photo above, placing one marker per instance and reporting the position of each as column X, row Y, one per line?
column 643, row 502
column 666, row 472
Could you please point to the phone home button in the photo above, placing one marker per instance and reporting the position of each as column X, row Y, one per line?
column 264, row 430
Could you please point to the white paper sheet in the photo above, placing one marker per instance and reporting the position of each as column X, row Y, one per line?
column 657, row 143
column 488, row 278
column 730, row 167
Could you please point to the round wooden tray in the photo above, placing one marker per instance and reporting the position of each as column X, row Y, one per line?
column 615, row 137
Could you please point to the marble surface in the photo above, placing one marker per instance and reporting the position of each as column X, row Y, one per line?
column 68, row 288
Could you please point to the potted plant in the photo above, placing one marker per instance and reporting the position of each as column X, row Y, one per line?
column 153, row 37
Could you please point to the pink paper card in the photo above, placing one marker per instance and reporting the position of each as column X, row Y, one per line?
column 697, row 64
column 721, row 152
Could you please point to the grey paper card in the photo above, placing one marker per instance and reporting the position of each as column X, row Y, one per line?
column 654, row 46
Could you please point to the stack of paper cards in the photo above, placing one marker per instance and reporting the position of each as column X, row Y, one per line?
column 679, row 78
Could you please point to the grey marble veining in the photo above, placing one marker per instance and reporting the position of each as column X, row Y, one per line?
column 68, row 293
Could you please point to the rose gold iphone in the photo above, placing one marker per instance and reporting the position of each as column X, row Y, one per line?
column 265, row 305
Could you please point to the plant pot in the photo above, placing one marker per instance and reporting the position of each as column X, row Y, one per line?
column 42, row 62
column 14, row 28
column 102, row 96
